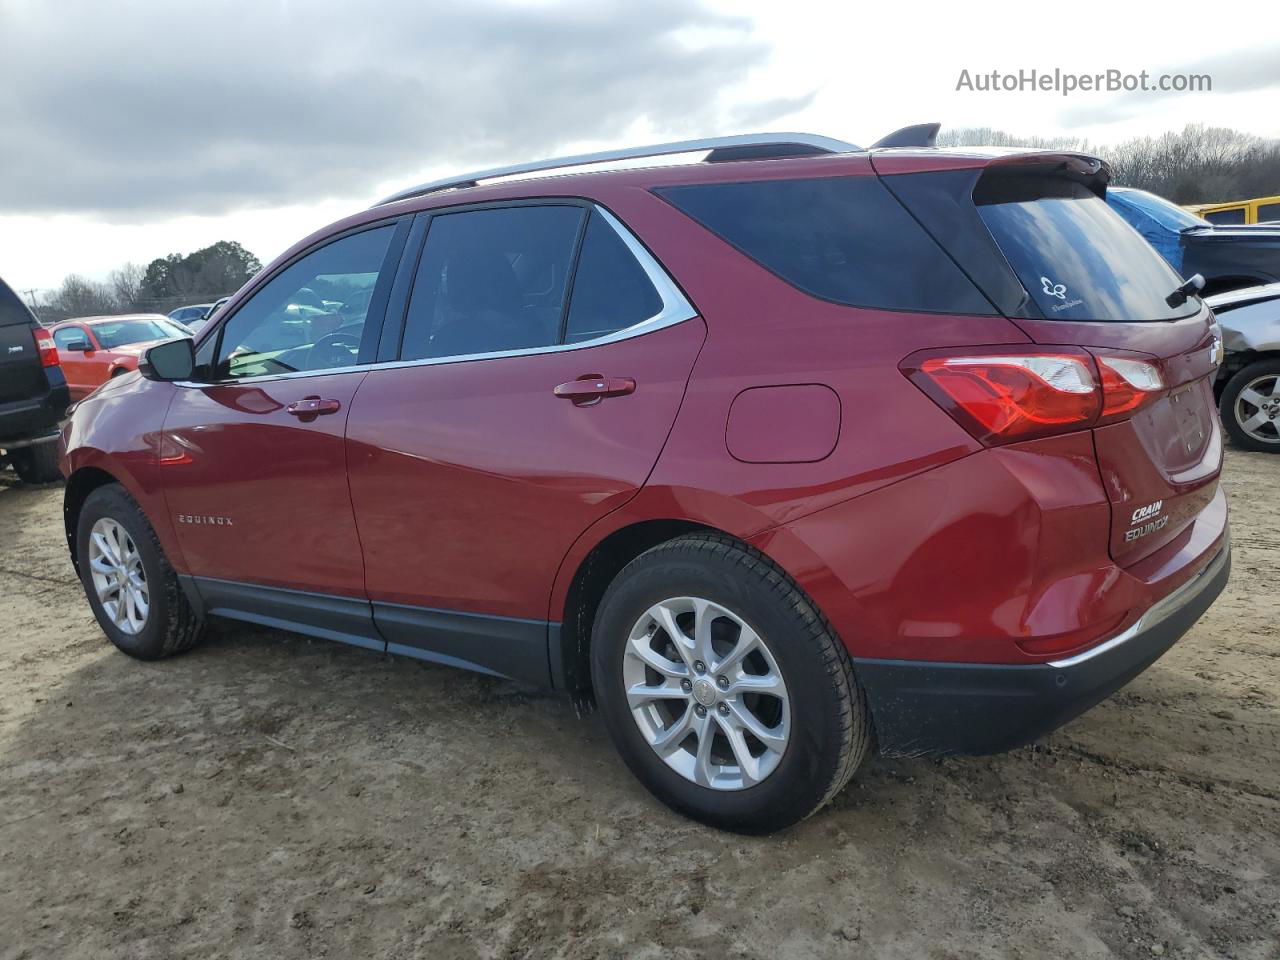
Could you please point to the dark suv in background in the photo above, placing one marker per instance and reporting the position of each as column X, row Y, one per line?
column 33, row 392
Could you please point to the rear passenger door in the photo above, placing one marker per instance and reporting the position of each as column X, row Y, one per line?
column 540, row 363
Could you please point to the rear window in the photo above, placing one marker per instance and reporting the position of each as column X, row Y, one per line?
column 844, row 239
column 12, row 310
column 1075, row 256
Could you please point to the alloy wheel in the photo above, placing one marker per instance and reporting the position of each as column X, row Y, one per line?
column 706, row 693
column 1257, row 408
column 118, row 577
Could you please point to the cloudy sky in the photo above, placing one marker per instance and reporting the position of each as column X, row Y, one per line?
column 132, row 130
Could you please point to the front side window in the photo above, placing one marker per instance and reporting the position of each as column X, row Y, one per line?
column 121, row 333
column 491, row 281
column 309, row 316
column 1268, row 212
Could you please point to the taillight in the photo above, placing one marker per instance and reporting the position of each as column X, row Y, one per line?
column 1127, row 384
column 1000, row 398
column 45, row 346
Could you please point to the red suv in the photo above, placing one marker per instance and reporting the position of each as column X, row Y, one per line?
column 773, row 456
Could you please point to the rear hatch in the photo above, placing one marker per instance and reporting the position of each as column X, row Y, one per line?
column 1036, row 234
column 21, row 372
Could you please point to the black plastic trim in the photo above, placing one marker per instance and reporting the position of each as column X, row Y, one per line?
column 510, row 647
column 502, row 646
column 345, row 619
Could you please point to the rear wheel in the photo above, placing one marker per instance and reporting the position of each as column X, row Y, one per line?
column 36, row 464
column 1250, row 406
column 131, row 587
column 727, row 694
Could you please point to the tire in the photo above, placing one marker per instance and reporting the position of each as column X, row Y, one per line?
column 36, row 464
column 827, row 726
column 1261, row 381
column 119, row 372
column 171, row 624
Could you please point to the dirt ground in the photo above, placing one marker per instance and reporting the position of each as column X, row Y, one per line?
column 269, row 795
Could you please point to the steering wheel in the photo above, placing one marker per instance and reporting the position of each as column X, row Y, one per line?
column 338, row 349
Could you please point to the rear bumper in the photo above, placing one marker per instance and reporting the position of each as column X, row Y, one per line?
column 35, row 417
column 920, row 707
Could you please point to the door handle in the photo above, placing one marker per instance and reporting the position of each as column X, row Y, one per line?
column 312, row 407
column 593, row 387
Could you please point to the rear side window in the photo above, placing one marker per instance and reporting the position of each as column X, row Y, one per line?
column 491, row 281
column 844, row 239
column 1268, row 212
column 611, row 291
column 1074, row 255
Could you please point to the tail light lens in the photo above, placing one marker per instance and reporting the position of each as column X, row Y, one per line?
column 1004, row 397
column 1128, row 384
column 1000, row 398
column 46, row 348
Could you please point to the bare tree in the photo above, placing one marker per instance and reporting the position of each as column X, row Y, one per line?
column 1198, row 164
column 79, row 297
column 126, row 284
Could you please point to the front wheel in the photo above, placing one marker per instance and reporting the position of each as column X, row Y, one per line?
column 132, row 589
column 1250, row 406
column 727, row 694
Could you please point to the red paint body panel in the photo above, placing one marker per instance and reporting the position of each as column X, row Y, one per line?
column 119, row 430
column 233, row 453
column 471, row 480
column 964, row 562
column 799, row 423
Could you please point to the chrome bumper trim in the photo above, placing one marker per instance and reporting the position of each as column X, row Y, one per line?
column 1158, row 613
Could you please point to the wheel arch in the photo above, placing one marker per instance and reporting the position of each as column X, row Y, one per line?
column 571, row 642
column 80, row 484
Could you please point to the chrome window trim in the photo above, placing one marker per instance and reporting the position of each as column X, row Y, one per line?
column 675, row 309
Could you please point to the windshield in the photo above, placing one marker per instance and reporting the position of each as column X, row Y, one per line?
column 119, row 333
column 1162, row 211
column 1074, row 255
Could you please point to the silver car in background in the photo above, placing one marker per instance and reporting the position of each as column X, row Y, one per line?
column 1249, row 379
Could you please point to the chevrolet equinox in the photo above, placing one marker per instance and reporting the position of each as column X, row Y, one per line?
column 778, row 456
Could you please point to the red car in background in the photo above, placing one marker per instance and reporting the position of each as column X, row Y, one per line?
column 92, row 350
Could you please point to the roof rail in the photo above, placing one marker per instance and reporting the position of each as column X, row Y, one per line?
column 748, row 146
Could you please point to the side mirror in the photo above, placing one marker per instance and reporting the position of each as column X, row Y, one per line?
column 171, row 360
column 79, row 346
